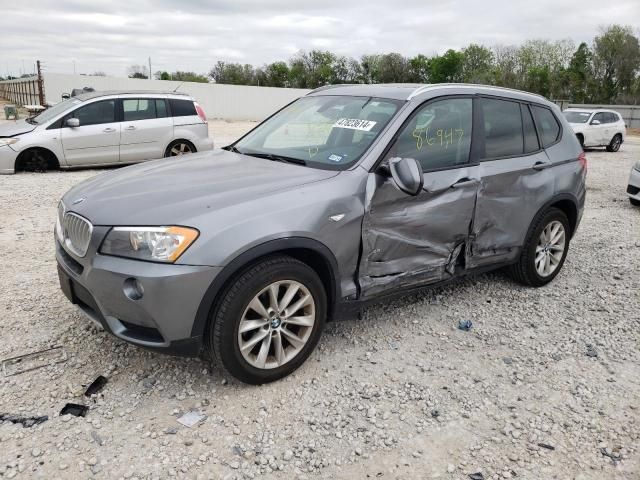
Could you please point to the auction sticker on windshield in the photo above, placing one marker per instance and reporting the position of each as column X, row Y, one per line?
column 355, row 124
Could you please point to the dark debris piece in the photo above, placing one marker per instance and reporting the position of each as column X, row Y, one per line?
column 96, row 386
column 476, row 476
column 27, row 422
column 547, row 446
column 74, row 409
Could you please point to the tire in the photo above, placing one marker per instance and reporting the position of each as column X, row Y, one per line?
column 179, row 147
column 36, row 160
column 271, row 328
column 634, row 202
column 614, row 144
column 525, row 270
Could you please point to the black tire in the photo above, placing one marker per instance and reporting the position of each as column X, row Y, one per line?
column 524, row 270
column 36, row 160
column 614, row 144
column 634, row 202
column 183, row 146
column 222, row 335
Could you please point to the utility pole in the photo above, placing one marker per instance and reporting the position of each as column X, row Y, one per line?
column 149, row 68
column 40, row 84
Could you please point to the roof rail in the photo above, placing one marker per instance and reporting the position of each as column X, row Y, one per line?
column 328, row 87
column 424, row 88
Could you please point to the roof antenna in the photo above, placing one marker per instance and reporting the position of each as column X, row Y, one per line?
column 179, row 85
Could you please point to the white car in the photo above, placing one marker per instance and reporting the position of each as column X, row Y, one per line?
column 597, row 127
column 633, row 189
column 105, row 128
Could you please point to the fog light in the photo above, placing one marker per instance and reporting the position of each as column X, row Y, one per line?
column 133, row 289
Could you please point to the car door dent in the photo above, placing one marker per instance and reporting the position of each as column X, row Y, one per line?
column 396, row 252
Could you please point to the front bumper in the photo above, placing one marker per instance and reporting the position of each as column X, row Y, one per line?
column 7, row 159
column 162, row 319
column 633, row 189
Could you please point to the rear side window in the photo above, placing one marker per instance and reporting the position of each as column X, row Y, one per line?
column 138, row 109
column 438, row 135
column 530, row 136
column 502, row 128
column 95, row 113
column 613, row 117
column 548, row 126
column 161, row 108
column 182, row 108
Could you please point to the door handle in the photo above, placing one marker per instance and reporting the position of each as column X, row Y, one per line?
column 130, row 127
column 109, row 130
column 541, row 165
column 465, row 182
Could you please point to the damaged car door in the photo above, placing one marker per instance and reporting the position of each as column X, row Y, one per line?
column 412, row 240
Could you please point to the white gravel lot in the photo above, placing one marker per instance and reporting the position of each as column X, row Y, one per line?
column 399, row 394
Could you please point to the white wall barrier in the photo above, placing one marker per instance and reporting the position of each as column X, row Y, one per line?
column 229, row 102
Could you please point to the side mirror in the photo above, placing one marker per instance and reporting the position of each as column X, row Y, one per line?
column 407, row 173
column 73, row 122
column 595, row 122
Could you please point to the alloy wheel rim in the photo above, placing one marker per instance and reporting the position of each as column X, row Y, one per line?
column 180, row 149
column 550, row 248
column 276, row 324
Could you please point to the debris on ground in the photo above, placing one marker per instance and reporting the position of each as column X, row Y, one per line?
column 547, row 446
column 26, row 422
column 74, row 409
column 96, row 386
column 591, row 351
column 32, row 361
column 192, row 418
column 476, row 476
column 465, row 325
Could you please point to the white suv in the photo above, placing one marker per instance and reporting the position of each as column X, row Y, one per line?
column 597, row 127
column 105, row 128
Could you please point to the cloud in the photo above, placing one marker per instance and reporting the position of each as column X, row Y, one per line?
column 195, row 34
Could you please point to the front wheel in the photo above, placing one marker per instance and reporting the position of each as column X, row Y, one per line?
column 268, row 321
column 545, row 249
column 615, row 143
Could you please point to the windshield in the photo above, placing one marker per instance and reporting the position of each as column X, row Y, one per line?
column 52, row 112
column 577, row 117
column 329, row 132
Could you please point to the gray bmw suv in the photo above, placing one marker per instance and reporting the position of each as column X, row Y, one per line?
column 344, row 197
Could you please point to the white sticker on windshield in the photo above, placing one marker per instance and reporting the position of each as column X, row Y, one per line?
column 355, row 124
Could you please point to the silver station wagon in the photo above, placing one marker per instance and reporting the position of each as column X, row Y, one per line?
column 105, row 129
column 344, row 197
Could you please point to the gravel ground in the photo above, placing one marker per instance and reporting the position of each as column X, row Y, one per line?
column 546, row 385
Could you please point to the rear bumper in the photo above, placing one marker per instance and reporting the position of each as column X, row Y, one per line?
column 633, row 189
column 7, row 160
column 161, row 320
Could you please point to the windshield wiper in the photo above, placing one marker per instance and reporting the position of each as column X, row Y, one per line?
column 278, row 158
column 231, row 148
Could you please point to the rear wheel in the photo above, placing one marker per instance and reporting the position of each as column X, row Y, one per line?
column 615, row 143
column 179, row 147
column 268, row 321
column 545, row 249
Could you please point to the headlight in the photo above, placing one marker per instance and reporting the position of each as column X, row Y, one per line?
column 58, row 229
column 155, row 244
column 8, row 141
column 637, row 166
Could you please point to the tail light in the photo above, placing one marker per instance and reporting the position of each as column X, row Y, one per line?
column 200, row 112
column 582, row 158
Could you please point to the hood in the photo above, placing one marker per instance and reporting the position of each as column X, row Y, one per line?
column 11, row 129
column 175, row 191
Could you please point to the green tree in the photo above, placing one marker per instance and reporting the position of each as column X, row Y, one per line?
column 233, row 73
column 616, row 62
column 477, row 64
column 580, row 74
column 189, row 77
column 419, row 69
column 276, row 74
column 446, row 68
column 390, row 68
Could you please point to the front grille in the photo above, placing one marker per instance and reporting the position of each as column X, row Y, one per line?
column 77, row 233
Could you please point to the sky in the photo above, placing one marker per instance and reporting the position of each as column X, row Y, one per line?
column 87, row 36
